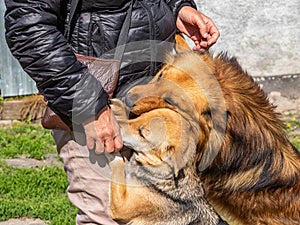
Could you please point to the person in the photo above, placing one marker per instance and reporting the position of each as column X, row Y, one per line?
column 35, row 36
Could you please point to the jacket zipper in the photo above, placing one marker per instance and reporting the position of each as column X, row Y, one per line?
column 152, row 38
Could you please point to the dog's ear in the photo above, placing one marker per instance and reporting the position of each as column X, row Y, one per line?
column 182, row 157
column 213, row 147
column 181, row 44
column 216, row 122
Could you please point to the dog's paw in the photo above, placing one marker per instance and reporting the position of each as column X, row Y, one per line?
column 117, row 167
column 117, row 164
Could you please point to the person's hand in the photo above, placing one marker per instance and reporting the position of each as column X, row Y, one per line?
column 198, row 27
column 103, row 133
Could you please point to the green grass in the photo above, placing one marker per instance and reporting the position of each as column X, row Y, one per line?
column 35, row 193
column 41, row 192
column 26, row 140
column 32, row 192
column 292, row 124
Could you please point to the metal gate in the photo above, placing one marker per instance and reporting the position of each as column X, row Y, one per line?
column 13, row 80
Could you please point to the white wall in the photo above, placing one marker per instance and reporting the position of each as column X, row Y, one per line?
column 263, row 35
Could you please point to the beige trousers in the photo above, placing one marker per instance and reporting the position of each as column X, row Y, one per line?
column 88, row 176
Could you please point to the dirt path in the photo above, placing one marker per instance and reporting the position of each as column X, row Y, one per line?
column 50, row 160
column 23, row 221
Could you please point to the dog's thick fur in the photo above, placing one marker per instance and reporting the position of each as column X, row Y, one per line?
column 249, row 169
column 159, row 185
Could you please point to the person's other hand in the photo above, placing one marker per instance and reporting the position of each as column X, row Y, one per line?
column 198, row 27
column 103, row 133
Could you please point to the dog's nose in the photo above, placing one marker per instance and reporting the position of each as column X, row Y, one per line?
column 130, row 99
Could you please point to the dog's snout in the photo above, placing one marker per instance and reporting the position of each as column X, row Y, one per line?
column 130, row 99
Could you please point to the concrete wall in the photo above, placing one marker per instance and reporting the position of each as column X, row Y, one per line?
column 263, row 35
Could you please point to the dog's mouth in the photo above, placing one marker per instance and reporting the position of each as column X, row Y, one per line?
column 133, row 115
column 127, row 152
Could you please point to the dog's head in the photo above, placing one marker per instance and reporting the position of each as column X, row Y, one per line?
column 160, row 138
column 172, row 118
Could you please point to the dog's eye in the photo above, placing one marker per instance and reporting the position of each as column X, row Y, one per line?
column 169, row 101
column 141, row 133
column 159, row 77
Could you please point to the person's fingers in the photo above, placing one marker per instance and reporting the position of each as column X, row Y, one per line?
column 190, row 19
column 103, row 134
column 99, row 148
column 208, row 31
column 214, row 33
column 90, row 142
column 106, row 135
column 203, row 30
column 197, row 26
column 118, row 142
column 195, row 17
column 202, row 26
column 200, row 44
column 198, row 48
column 109, row 145
column 112, row 144
column 203, row 44
column 213, row 38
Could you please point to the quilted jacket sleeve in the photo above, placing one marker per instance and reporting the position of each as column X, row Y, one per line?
column 33, row 37
column 176, row 5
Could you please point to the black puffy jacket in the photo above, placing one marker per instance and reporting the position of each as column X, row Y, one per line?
column 34, row 33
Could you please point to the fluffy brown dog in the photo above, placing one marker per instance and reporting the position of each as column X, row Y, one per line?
column 250, row 170
column 159, row 185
